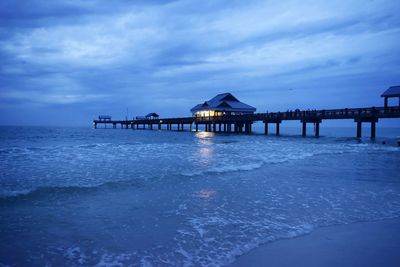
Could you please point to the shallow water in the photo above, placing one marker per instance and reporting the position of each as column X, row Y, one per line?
column 83, row 197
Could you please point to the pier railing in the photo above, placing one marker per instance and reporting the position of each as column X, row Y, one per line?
column 328, row 114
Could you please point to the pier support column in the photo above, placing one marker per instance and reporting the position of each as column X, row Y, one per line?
column 304, row 130
column 373, row 130
column 266, row 128
column 247, row 128
column 317, row 129
column 197, row 127
column 214, row 127
column 359, row 128
column 190, row 127
column 277, row 128
column 151, row 126
column 225, row 128
column 219, row 127
column 159, row 126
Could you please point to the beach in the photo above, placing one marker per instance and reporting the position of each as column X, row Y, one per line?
column 367, row 244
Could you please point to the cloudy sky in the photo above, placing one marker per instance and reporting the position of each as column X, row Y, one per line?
column 64, row 62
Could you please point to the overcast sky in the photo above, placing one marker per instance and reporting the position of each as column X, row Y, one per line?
column 65, row 62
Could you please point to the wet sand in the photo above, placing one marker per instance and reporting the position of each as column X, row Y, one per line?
column 359, row 244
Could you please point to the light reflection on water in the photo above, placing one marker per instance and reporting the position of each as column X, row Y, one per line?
column 205, row 138
column 205, row 151
column 207, row 194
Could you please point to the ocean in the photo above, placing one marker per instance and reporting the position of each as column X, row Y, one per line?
column 123, row 197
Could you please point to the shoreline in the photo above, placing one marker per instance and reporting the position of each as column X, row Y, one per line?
column 358, row 244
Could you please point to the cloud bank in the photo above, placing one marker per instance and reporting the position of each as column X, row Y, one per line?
column 63, row 62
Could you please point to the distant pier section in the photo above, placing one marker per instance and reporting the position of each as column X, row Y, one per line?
column 225, row 113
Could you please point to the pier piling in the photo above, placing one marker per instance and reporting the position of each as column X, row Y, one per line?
column 373, row 129
column 359, row 129
column 304, row 130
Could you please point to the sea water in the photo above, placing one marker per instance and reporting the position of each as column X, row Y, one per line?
column 117, row 197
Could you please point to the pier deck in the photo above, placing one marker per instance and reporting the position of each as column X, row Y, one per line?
column 243, row 123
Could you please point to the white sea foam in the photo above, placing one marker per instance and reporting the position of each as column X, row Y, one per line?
column 14, row 193
column 114, row 260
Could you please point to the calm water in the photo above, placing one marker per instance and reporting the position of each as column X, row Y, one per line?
column 83, row 197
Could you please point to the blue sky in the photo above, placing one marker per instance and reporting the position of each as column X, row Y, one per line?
column 65, row 62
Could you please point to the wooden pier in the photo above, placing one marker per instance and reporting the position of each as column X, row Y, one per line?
column 243, row 123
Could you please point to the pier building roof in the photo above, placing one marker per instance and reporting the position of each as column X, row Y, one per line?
column 224, row 102
column 393, row 91
column 153, row 114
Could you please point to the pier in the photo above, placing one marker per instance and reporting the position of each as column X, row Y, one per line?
column 242, row 123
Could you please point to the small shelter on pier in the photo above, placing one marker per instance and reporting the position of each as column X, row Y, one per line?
column 104, row 118
column 222, row 104
column 152, row 116
column 393, row 91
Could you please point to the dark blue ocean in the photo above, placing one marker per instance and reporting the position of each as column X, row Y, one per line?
column 122, row 197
